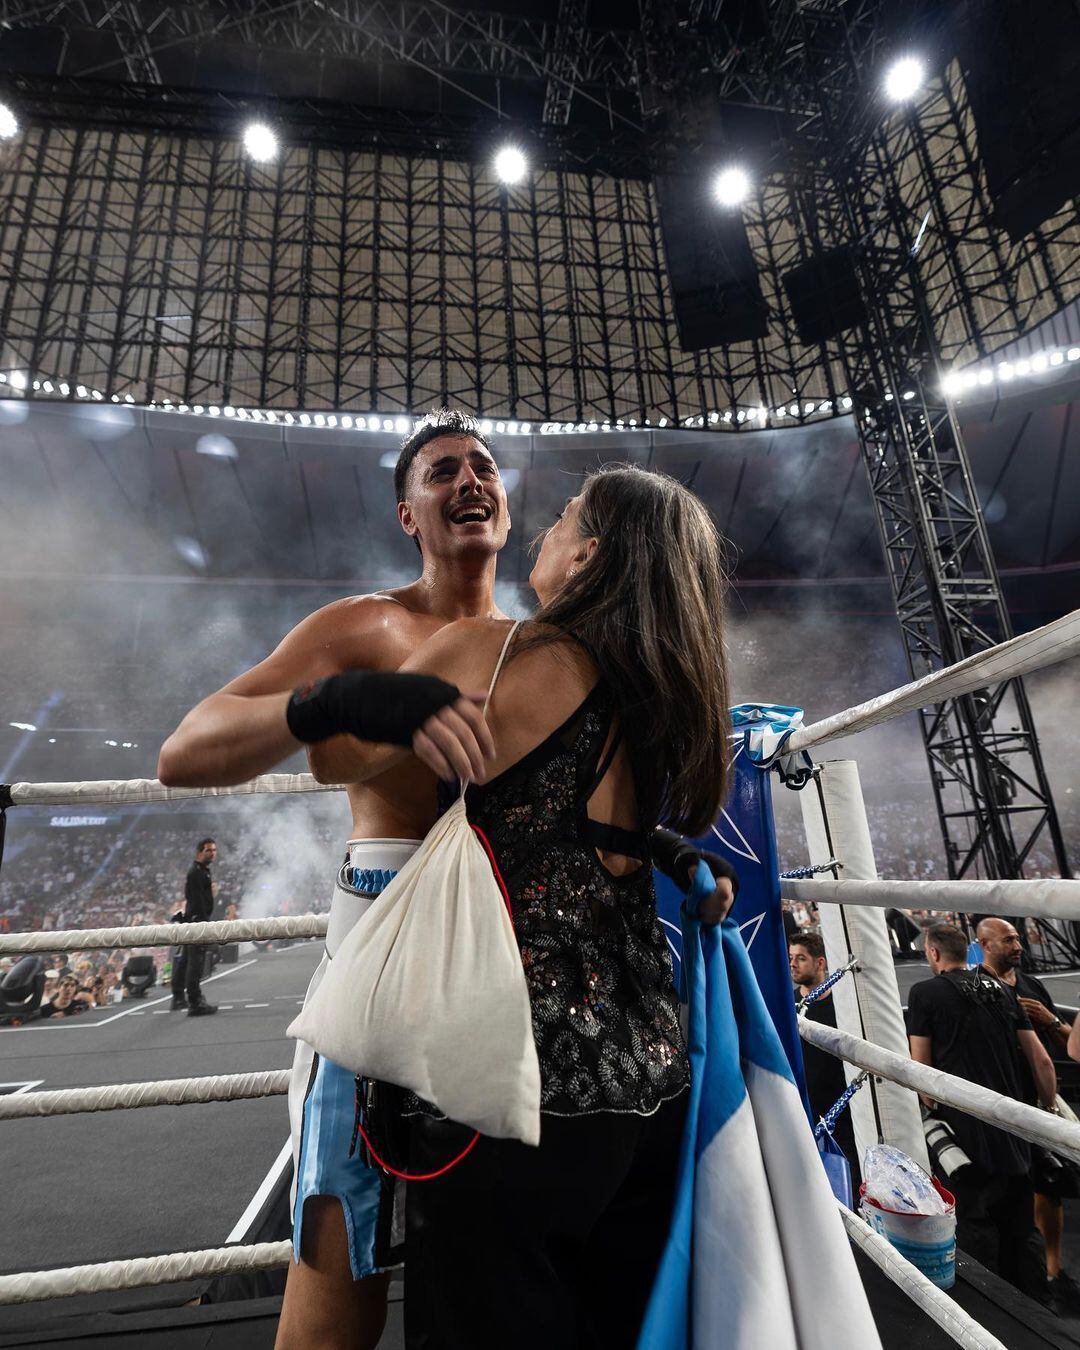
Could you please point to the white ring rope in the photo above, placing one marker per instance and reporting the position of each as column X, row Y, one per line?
column 1039, row 1127
column 934, row 1302
column 1052, row 897
column 118, row 791
column 142, row 1271
column 1030, row 651
column 227, row 1087
column 166, row 934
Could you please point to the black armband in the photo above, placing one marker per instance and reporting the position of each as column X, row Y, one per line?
column 371, row 705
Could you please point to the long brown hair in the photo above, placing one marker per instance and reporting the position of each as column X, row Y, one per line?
column 649, row 606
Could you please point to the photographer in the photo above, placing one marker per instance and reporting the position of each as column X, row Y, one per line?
column 966, row 1023
column 68, row 1001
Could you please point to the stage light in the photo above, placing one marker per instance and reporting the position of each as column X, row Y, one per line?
column 1073, row 354
column 510, row 164
column 260, row 142
column 904, row 79
column 986, row 377
column 1005, row 371
column 17, row 379
column 731, row 186
column 1039, row 361
column 9, row 123
column 845, row 402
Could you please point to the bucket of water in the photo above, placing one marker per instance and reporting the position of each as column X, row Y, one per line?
column 928, row 1241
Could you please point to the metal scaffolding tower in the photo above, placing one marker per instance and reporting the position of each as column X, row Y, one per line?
column 993, row 798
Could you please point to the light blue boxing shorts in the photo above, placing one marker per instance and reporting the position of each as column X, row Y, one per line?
column 322, row 1095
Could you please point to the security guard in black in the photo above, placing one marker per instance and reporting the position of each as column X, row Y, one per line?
column 198, row 907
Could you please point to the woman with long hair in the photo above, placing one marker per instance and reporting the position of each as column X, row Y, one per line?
column 609, row 717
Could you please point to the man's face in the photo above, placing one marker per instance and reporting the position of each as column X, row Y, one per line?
column 207, row 853
column 67, row 990
column 455, row 502
column 1002, row 946
column 806, row 970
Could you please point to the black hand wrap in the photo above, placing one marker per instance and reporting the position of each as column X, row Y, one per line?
column 678, row 858
column 369, row 704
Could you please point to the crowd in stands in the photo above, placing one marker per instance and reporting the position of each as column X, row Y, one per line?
column 132, row 872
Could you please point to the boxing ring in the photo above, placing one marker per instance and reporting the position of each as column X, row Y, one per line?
column 870, row 1034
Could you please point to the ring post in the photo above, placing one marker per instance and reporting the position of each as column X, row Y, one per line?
column 868, row 1002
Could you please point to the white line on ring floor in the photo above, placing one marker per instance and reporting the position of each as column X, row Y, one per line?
column 72, row 1023
column 240, row 1228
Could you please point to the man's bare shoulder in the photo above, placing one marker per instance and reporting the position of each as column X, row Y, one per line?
column 379, row 611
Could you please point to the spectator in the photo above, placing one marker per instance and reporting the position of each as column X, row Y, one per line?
column 966, row 1023
column 825, row 1078
column 68, row 1000
column 1053, row 1181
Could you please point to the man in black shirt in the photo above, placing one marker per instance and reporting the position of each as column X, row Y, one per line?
column 68, row 999
column 198, row 907
column 965, row 1023
column 1052, row 1181
column 825, row 1078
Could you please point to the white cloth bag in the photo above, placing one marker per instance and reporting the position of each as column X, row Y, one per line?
column 428, row 992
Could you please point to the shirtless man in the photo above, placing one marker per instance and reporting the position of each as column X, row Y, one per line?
column 452, row 502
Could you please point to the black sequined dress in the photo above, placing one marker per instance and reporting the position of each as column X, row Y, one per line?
column 605, row 1012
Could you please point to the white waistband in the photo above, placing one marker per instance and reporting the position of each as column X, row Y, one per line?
column 389, row 855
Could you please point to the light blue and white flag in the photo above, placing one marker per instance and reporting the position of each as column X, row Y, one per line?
column 757, row 1255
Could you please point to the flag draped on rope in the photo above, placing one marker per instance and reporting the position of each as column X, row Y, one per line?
column 757, row 1254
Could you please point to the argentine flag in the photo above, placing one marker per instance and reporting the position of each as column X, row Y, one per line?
column 757, row 1254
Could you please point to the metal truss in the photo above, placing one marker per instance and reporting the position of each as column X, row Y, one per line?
column 570, row 37
column 994, row 802
column 571, row 263
column 437, row 36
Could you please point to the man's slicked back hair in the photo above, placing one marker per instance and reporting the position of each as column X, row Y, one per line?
column 950, row 941
column 440, row 422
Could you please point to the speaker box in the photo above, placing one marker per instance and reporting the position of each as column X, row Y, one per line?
column 713, row 276
column 823, row 293
column 1021, row 67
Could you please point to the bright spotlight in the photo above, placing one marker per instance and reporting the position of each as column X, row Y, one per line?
column 260, row 142
column 731, row 186
column 9, row 123
column 510, row 164
column 904, row 79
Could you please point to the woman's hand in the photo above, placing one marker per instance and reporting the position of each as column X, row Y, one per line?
column 715, row 908
column 455, row 742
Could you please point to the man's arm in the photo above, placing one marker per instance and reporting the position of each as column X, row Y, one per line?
column 921, row 1054
column 241, row 731
column 1041, row 1065
column 1045, row 1019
